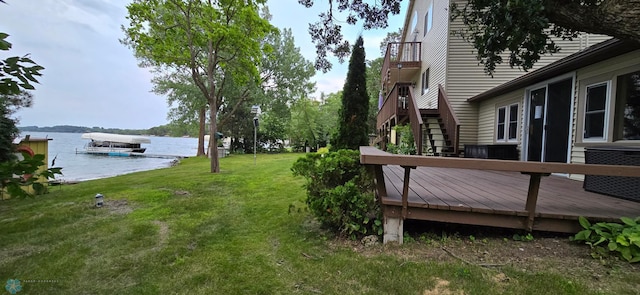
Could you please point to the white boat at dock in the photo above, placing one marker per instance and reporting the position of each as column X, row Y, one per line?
column 114, row 144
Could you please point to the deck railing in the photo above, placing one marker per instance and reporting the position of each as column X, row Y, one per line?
column 415, row 120
column 389, row 107
column 449, row 119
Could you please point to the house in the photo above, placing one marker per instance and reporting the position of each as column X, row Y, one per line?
column 582, row 108
column 428, row 77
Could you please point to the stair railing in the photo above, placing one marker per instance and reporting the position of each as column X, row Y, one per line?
column 449, row 119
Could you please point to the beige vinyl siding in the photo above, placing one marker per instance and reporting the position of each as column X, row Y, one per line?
column 433, row 52
column 577, row 153
column 434, row 49
column 610, row 65
column 466, row 77
column 577, row 156
column 487, row 116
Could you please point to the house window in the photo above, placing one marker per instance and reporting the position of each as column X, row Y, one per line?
column 507, row 123
column 427, row 20
column 425, row 81
column 627, row 119
column 595, row 112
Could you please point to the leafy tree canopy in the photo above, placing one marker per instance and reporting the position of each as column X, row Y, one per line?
column 523, row 28
column 202, row 38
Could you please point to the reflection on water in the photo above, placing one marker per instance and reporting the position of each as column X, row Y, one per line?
column 84, row 166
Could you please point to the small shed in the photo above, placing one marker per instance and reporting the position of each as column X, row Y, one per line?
column 37, row 146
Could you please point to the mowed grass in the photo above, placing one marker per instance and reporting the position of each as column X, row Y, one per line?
column 182, row 230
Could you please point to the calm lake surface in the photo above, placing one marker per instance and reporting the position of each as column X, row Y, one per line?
column 77, row 167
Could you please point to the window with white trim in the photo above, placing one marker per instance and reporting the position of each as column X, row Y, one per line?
column 595, row 113
column 627, row 107
column 427, row 20
column 507, row 123
column 425, row 81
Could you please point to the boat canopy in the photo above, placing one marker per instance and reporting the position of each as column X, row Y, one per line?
column 98, row 136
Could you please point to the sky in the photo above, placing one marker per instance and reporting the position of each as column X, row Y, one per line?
column 91, row 79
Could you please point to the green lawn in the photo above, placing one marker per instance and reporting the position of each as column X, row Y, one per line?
column 182, row 230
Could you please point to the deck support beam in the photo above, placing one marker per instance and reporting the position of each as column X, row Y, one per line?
column 532, row 198
column 405, row 189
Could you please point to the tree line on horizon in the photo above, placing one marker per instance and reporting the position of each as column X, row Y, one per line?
column 163, row 130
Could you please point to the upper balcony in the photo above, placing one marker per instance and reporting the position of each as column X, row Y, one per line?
column 401, row 63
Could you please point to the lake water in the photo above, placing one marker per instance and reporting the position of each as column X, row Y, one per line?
column 77, row 167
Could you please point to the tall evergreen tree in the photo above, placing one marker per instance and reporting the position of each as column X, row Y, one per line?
column 352, row 125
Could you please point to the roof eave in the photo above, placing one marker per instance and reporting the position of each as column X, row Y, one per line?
column 596, row 53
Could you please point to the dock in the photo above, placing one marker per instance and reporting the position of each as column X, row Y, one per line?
column 130, row 154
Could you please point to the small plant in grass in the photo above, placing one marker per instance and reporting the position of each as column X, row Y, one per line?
column 523, row 238
column 425, row 238
column 606, row 237
column 407, row 238
column 340, row 192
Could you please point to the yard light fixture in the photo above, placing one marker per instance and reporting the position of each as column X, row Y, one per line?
column 99, row 200
column 255, row 109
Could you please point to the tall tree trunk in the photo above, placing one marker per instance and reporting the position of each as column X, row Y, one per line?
column 202, row 117
column 213, row 141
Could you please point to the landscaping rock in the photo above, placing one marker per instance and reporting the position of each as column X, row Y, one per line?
column 369, row 241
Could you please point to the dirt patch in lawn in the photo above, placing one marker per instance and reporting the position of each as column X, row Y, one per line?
column 442, row 288
column 118, row 206
column 496, row 249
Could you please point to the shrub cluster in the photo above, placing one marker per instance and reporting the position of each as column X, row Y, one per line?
column 407, row 144
column 340, row 192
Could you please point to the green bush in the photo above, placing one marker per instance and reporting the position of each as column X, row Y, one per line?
column 604, row 237
column 407, row 145
column 340, row 192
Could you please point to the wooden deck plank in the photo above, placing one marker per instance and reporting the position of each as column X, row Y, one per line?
column 460, row 194
column 484, row 190
column 433, row 196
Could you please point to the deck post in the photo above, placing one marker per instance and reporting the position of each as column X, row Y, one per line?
column 532, row 198
column 393, row 230
column 405, row 189
column 379, row 176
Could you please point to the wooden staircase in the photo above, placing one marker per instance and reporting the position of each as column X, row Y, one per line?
column 436, row 131
column 436, row 140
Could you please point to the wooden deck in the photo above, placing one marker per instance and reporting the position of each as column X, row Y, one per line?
column 500, row 193
column 497, row 198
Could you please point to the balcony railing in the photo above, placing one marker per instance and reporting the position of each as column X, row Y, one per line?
column 394, row 105
column 400, row 55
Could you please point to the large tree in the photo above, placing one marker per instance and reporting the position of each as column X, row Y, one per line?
column 204, row 36
column 374, row 91
column 493, row 26
column 352, row 124
column 313, row 122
